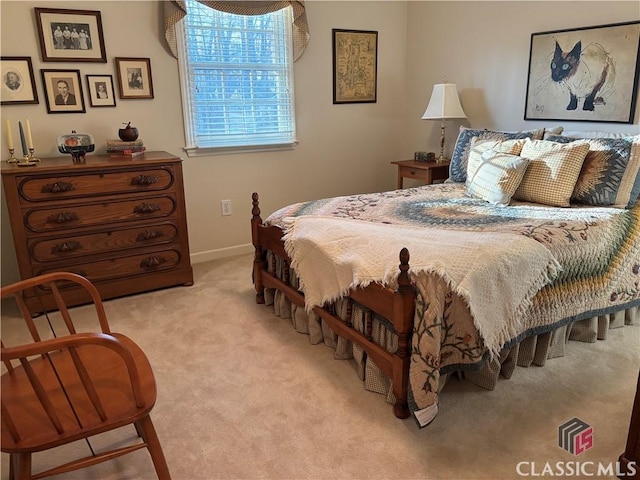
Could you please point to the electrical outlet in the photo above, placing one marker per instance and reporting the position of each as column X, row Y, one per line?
column 225, row 206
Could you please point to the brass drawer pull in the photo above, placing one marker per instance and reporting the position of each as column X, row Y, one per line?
column 412, row 172
column 153, row 261
column 57, row 187
column 62, row 217
column 144, row 180
column 148, row 235
column 65, row 247
column 146, row 208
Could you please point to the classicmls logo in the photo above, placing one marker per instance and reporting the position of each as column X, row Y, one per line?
column 575, row 436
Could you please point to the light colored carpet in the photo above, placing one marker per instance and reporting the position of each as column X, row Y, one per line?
column 243, row 396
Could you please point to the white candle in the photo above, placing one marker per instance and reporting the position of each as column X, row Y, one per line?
column 29, row 139
column 9, row 136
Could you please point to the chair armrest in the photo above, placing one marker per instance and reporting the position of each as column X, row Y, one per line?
column 69, row 342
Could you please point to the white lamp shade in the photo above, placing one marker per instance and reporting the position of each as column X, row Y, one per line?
column 444, row 103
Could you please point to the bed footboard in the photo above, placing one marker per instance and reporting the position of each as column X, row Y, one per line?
column 396, row 306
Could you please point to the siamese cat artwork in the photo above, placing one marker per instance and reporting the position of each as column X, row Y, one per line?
column 584, row 75
column 587, row 73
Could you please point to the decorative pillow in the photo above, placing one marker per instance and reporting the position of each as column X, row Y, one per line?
column 458, row 166
column 494, row 173
column 609, row 175
column 551, row 131
column 552, row 172
column 478, row 146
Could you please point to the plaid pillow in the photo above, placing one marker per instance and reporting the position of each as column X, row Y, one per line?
column 552, row 172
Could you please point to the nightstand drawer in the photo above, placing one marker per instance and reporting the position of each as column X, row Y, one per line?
column 409, row 172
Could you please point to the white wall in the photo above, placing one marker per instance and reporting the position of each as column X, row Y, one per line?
column 343, row 148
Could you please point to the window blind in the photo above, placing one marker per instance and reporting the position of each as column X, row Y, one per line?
column 239, row 72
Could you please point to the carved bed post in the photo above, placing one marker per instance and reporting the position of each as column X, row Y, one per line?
column 402, row 358
column 258, row 259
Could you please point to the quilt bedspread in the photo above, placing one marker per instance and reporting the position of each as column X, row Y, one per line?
column 597, row 248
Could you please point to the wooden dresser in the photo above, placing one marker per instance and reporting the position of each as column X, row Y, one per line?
column 120, row 222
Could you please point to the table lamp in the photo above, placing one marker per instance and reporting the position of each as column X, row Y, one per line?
column 444, row 104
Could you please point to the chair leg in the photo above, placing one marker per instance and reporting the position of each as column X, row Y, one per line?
column 150, row 437
column 20, row 466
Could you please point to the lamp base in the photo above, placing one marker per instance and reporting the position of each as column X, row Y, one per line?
column 441, row 158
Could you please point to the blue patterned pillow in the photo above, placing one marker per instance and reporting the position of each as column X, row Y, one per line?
column 610, row 174
column 458, row 166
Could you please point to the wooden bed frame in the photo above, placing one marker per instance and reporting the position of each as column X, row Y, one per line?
column 397, row 306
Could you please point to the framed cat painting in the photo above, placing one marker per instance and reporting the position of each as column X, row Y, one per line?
column 584, row 74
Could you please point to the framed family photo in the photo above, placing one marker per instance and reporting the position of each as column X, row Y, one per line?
column 134, row 77
column 101, row 91
column 70, row 35
column 18, row 83
column 584, row 74
column 63, row 91
column 355, row 66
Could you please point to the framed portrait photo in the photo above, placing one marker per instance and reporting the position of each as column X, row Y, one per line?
column 355, row 66
column 134, row 77
column 18, row 83
column 63, row 91
column 70, row 35
column 585, row 74
column 101, row 91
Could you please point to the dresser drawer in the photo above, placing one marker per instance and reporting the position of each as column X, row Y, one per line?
column 36, row 188
column 57, row 218
column 50, row 249
column 125, row 267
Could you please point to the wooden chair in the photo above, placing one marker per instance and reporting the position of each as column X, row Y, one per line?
column 63, row 387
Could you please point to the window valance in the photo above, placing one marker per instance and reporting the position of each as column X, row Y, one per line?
column 175, row 10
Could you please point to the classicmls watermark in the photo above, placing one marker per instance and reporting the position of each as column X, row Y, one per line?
column 575, row 437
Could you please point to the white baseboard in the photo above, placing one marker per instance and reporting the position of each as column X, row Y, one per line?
column 201, row 257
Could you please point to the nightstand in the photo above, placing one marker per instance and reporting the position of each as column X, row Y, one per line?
column 425, row 171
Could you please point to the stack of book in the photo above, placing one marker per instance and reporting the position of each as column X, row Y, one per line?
column 119, row 148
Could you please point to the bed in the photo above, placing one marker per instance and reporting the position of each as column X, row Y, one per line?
column 531, row 242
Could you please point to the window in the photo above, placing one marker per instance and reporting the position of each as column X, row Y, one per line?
column 237, row 74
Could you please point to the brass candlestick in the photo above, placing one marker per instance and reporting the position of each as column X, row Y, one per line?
column 12, row 158
column 32, row 157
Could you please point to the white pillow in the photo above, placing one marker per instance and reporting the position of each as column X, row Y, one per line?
column 478, row 145
column 552, row 131
column 497, row 177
